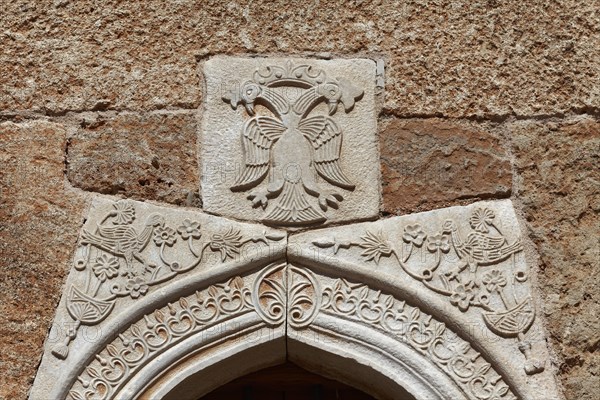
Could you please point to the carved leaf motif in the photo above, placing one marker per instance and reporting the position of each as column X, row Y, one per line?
column 112, row 350
column 92, row 372
column 75, row 395
column 388, row 301
column 415, row 313
column 440, row 329
column 337, row 285
column 483, row 369
column 159, row 316
column 213, row 291
column 237, row 282
column 183, row 303
column 364, row 292
column 135, row 330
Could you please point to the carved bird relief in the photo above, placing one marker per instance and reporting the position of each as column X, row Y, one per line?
column 481, row 248
column 124, row 240
column 292, row 144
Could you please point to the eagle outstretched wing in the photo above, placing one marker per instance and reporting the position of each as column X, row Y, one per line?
column 326, row 139
column 258, row 136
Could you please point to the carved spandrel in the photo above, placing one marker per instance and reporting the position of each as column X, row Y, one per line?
column 302, row 145
column 472, row 264
column 121, row 258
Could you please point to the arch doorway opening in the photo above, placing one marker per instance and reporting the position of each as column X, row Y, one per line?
column 287, row 382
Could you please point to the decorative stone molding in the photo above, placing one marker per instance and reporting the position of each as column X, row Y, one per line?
column 135, row 260
column 302, row 148
column 433, row 305
column 444, row 349
column 162, row 329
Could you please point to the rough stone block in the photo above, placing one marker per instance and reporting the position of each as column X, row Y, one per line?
column 433, row 163
column 290, row 142
column 39, row 220
column 456, row 59
column 559, row 188
column 145, row 157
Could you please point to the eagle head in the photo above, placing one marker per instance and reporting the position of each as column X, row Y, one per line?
column 332, row 93
column 245, row 94
column 341, row 91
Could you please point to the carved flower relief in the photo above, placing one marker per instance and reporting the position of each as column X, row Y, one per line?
column 106, row 267
column 481, row 219
column 494, row 281
column 413, row 234
column 124, row 213
column 375, row 246
column 462, row 296
column 438, row 242
column 164, row 235
column 136, row 287
column 227, row 243
column 189, row 229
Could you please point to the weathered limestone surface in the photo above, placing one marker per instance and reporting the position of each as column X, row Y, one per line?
column 290, row 142
column 449, row 58
column 558, row 184
column 149, row 156
column 133, row 257
column 39, row 220
column 433, row 163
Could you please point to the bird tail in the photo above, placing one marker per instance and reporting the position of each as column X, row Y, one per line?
column 88, row 237
column 292, row 207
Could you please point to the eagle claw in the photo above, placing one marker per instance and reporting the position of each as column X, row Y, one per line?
column 329, row 199
column 258, row 199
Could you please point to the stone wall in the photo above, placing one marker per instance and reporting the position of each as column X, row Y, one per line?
column 483, row 100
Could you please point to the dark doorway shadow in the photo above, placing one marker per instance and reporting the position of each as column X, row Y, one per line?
column 285, row 382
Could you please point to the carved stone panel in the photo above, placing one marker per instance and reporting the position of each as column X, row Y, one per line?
column 290, row 142
column 465, row 266
column 131, row 259
column 171, row 303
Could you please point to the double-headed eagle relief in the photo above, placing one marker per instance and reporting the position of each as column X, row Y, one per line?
column 295, row 143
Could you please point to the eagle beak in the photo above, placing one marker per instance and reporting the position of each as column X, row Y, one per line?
column 332, row 107
column 250, row 108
